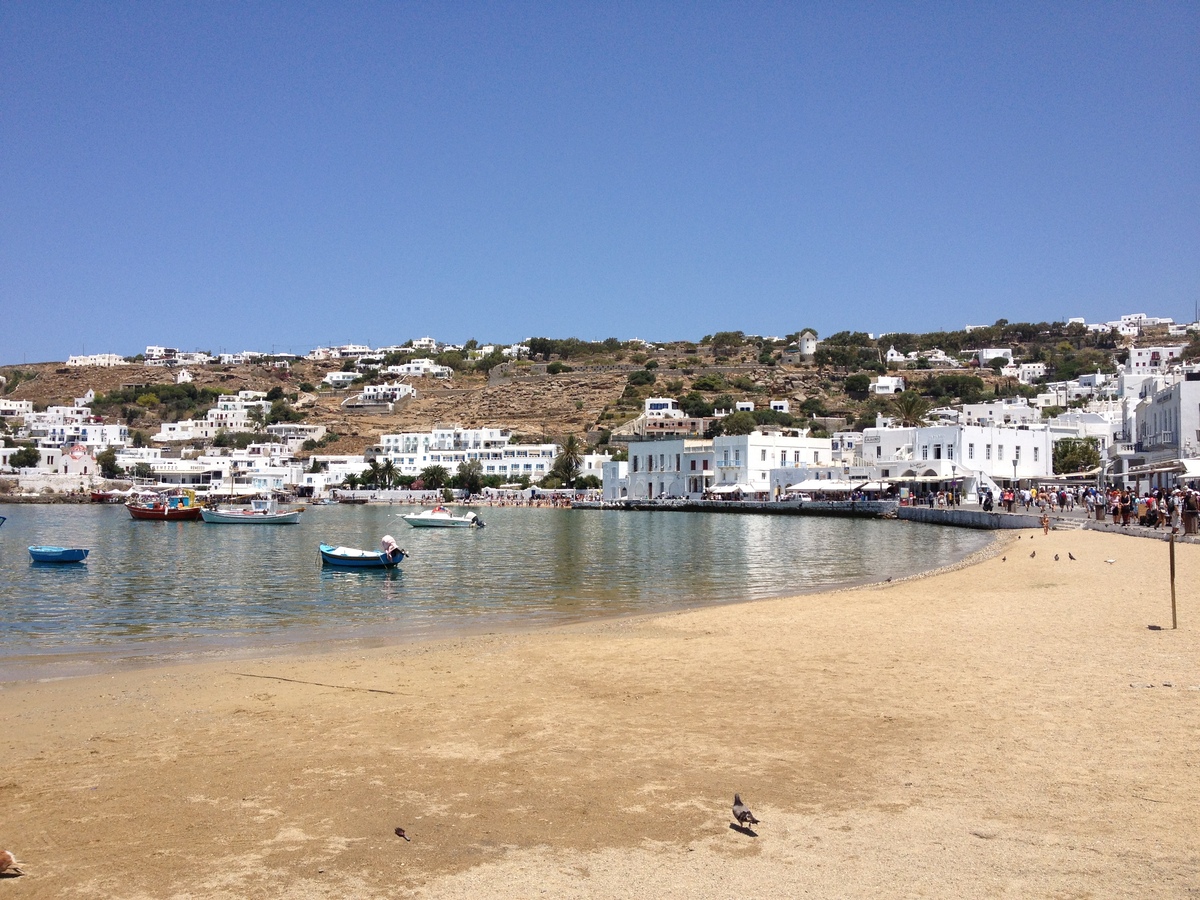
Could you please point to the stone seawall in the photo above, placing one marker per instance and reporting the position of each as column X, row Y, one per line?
column 967, row 518
column 867, row 509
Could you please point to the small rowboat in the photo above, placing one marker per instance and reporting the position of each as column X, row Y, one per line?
column 360, row 559
column 58, row 554
column 260, row 512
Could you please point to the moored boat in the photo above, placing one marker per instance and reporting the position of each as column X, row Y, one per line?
column 440, row 517
column 58, row 554
column 351, row 557
column 177, row 507
column 261, row 511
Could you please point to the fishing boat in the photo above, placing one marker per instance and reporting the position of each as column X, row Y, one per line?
column 176, row 507
column 440, row 517
column 3, row 520
column 261, row 511
column 387, row 558
column 58, row 554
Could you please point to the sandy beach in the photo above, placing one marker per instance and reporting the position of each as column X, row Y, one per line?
column 1018, row 727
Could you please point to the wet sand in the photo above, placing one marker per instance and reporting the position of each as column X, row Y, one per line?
column 1015, row 727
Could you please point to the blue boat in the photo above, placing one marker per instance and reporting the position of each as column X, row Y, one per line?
column 360, row 559
column 2, row 520
column 58, row 554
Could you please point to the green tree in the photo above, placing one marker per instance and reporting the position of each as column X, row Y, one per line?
column 388, row 474
column 25, row 458
column 738, row 423
column 910, row 408
column 434, row 477
column 143, row 471
column 470, row 476
column 858, row 383
column 1076, row 455
column 108, row 463
column 569, row 460
column 351, row 480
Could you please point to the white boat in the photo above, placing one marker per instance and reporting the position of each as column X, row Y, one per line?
column 440, row 517
column 259, row 512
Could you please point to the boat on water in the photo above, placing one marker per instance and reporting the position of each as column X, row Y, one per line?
column 175, row 507
column 387, row 558
column 58, row 554
column 2, row 520
column 440, row 517
column 261, row 511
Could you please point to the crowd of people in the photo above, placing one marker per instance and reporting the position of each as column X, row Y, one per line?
column 1177, row 509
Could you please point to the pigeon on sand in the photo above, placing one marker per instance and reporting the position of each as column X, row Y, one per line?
column 1033, row 554
column 742, row 813
column 1070, row 555
column 1056, row 557
column 9, row 864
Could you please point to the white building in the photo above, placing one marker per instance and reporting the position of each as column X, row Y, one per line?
column 1007, row 411
column 888, row 384
column 427, row 344
column 419, row 368
column 1029, row 373
column 692, row 467
column 449, row 447
column 11, row 409
column 781, row 406
column 1151, row 360
column 387, row 393
column 987, row 354
column 988, row 449
column 104, row 360
column 339, row 379
column 231, row 413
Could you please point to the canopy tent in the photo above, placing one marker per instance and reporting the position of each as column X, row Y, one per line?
column 821, row 484
column 732, row 489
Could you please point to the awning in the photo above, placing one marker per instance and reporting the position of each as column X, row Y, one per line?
column 733, row 488
column 821, row 484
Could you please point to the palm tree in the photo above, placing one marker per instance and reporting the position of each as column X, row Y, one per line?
column 569, row 460
column 373, row 476
column 910, row 408
column 351, row 481
column 388, row 473
column 434, row 477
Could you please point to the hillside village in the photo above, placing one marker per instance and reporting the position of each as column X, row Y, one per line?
column 729, row 415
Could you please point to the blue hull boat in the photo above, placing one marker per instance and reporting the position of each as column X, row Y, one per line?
column 359, row 559
column 58, row 554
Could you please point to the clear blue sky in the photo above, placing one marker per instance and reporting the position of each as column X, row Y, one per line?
column 229, row 176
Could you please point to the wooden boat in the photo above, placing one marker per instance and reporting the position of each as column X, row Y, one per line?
column 107, row 496
column 359, row 559
column 440, row 517
column 265, row 511
column 3, row 520
column 58, row 554
column 181, row 507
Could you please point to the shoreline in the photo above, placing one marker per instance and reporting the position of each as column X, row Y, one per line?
column 81, row 662
column 1010, row 723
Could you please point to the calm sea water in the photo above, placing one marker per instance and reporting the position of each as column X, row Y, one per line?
column 163, row 589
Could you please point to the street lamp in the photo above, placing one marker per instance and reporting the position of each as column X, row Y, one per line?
column 1014, row 474
column 953, row 484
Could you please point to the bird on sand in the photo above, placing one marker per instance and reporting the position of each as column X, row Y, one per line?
column 742, row 813
column 1033, row 554
column 9, row 864
column 1070, row 555
column 1004, row 559
column 400, row 833
column 1056, row 557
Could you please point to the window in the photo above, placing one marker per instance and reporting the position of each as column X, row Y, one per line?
column 764, row 455
column 924, row 451
column 937, row 451
column 678, row 467
column 878, row 451
column 1035, row 453
column 816, row 456
column 693, row 465
column 999, row 451
column 949, row 451
column 988, row 451
column 970, row 451
column 1017, row 452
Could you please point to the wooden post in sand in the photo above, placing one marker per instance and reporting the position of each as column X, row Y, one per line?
column 1174, row 623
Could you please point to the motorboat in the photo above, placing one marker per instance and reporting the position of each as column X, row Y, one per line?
column 261, row 511
column 440, row 517
column 177, row 507
column 58, row 554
